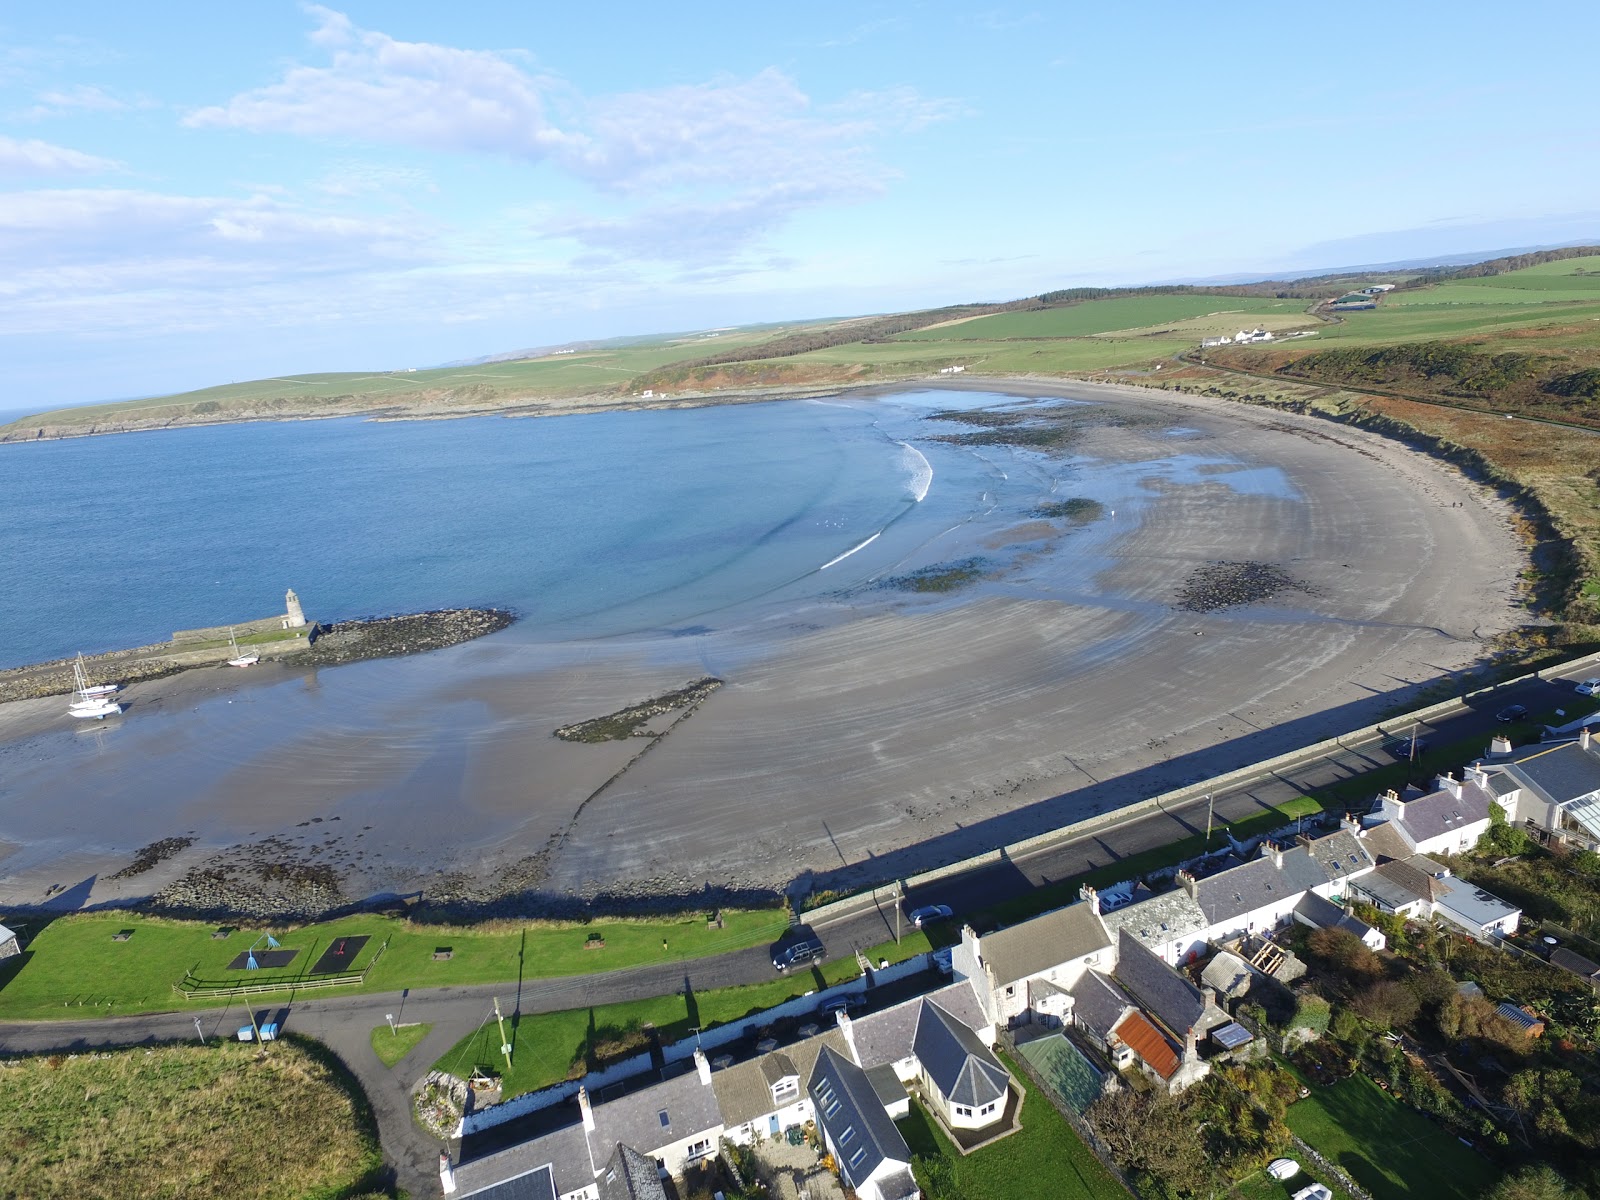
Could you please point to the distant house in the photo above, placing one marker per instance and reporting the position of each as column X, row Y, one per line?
column 766, row 1095
column 1448, row 820
column 1420, row 888
column 9, row 946
column 1377, row 289
column 1321, row 913
column 1172, row 1018
column 1553, row 790
column 1057, row 947
column 872, row 1157
column 1577, row 964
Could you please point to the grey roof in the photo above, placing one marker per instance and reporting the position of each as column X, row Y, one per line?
column 858, row 1127
column 1160, row 990
column 1232, row 1035
column 5, row 934
column 1557, row 772
column 777, row 1066
column 963, row 1069
column 565, row 1150
column 899, row 1186
column 1440, row 812
column 1339, row 854
column 1501, row 784
column 1325, row 914
column 1162, row 918
column 744, row 1090
column 660, row 1115
column 1098, row 1003
column 1257, row 884
column 1228, row 973
column 1396, row 885
column 886, row 1084
column 1384, row 841
column 1035, row 946
column 629, row 1175
column 537, row 1184
column 1567, row 960
column 1474, row 906
column 886, row 1036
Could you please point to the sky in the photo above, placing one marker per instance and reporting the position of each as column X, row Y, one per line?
column 197, row 193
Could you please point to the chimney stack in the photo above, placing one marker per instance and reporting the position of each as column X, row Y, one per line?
column 447, row 1174
column 1274, row 851
column 1092, row 896
column 585, row 1108
column 1448, row 783
column 848, row 1029
column 703, row 1065
column 1586, row 739
column 1187, row 882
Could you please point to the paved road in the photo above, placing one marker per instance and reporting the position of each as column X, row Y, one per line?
column 345, row 1023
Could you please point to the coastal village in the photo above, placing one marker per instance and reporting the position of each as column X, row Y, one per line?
column 1148, row 986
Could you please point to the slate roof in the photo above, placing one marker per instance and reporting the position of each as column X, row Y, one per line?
column 1556, row 772
column 887, row 1085
column 1567, row 960
column 1339, row 854
column 1159, row 919
column 564, row 1150
column 629, row 1175
column 848, row 1110
column 1161, row 991
column 1325, row 914
column 1229, row 974
column 744, row 1090
column 777, row 1066
column 537, row 1184
column 1440, row 812
column 1416, row 876
column 963, row 1069
column 1384, row 842
column 658, row 1116
column 1035, row 946
column 886, row 1036
column 1148, row 1043
column 1098, row 1003
column 1257, row 884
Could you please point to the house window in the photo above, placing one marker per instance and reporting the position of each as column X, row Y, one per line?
column 665, row 1120
column 785, row 1090
column 1011, row 990
column 848, row 1135
column 700, row 1149
column 855, row 1159
column 962, row 1111
column 833, row 1106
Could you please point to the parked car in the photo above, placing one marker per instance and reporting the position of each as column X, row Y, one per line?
column 839, row 1004
column 797, row 948
column 1405, row 747
column 929, row 913
column 1589, row 687
column 1514, row 713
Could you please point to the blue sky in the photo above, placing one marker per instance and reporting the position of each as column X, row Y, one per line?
column 193, row 193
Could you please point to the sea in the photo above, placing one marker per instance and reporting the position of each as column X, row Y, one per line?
column 588, row 526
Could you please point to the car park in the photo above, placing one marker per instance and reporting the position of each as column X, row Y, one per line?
column 927, row 914
column 1589, row 687
column 1513, row 713
column 797, row 948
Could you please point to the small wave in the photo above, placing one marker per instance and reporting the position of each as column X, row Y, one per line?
column 849, row 552
column 921, row 472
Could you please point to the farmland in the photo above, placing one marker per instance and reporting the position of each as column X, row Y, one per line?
column 1110, row 316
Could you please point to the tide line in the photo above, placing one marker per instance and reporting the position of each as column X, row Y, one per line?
column 850, row 551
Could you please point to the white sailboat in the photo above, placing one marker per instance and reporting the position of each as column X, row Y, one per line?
column 81, row 676
column 98, row 708
column 240, row 660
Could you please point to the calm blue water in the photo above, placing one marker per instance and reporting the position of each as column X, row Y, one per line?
column 588, row 526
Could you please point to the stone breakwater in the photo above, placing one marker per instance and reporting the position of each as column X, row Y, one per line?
column 324, row 645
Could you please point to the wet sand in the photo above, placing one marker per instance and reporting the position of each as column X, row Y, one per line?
column 862, row 737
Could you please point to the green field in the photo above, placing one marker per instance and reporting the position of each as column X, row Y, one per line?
column 1043, row 1158
column 1391, row 1150
column 74, row 967
column 186, row 1120
column 1103, row 316
column 549, row 1047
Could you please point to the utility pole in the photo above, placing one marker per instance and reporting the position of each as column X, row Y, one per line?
column 1211, row 806
column 899, row 903
column 198, row 1032
column 505, row 1046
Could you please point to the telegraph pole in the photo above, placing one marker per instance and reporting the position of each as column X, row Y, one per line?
column 505, row 1046
column 1211, row 806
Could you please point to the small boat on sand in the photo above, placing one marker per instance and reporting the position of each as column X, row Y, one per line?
column 240, row 660
column 88, row 691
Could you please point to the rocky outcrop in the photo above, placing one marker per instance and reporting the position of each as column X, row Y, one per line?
column 413, row 633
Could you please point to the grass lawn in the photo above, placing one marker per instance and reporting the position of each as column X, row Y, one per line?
column 73, row 965
column 391, row 1045
column 185, row 1120
column 1103, row 316
column 1391, row 1150
column 549, row 1047
column 1044, row 1158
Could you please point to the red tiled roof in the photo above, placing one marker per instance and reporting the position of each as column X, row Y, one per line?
column 1148, row 1043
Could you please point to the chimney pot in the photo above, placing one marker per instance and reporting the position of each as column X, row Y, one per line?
column 585, row 1108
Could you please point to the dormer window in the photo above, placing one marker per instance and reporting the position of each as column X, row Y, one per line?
column 786, row 1089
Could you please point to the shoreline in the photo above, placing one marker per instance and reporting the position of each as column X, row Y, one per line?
column 896, row 737
column 324, row 646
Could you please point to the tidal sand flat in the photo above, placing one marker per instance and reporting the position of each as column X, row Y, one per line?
column 865, row 728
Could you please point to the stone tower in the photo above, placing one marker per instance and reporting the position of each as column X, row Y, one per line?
column 297, row 616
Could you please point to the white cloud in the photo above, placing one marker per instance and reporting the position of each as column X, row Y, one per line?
column 78, row 98
column 706, row 168
column 33, row 157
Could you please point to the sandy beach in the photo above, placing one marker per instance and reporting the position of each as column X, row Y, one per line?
column 863, row 737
